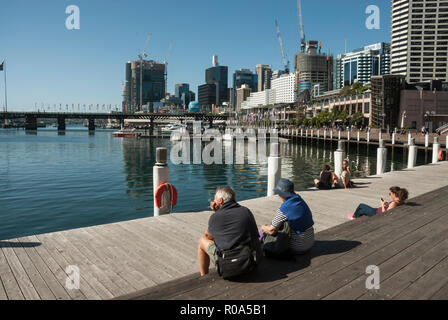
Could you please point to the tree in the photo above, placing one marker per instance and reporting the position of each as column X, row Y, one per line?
column 345, row 91
column 356, row 118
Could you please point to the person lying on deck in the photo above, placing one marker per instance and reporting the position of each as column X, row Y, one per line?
column 326, row 179
column 398, row 195
column 296, row 212
column 229, row 226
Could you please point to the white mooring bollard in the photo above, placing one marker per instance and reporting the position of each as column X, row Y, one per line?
column 380, row 136
column 435, row 150
column 412, row 158
column 381, row 158
column 338, row 158
column 274, row 168
column 161, row 175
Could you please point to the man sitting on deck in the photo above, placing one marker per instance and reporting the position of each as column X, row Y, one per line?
column 230, row 226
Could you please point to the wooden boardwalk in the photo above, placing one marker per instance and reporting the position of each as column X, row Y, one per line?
column 409, row 245
column 121, row 258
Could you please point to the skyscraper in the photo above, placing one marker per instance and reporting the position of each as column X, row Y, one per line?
column 215, row 91
column 419, row 39
column 264, row 74
column 361, row 64
column 313, row 68
column 150, row 89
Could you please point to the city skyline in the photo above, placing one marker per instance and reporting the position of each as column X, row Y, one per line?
column 35, row 39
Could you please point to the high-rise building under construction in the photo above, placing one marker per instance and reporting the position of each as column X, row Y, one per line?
column 313, row 68
column 145, row 83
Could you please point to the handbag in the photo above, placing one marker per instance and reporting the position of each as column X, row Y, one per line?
column 277, row 246
column 236, row 261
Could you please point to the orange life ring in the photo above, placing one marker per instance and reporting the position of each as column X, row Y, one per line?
column 440, row 155
column 161, row 189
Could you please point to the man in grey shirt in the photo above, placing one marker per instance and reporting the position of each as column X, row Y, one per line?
column 229, row 226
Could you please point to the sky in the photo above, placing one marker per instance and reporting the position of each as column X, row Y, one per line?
column 48, row 64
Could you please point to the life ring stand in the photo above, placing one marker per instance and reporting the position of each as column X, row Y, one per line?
column 161, row 190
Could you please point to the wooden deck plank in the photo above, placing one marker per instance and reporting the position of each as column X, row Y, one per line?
column 9, row 282
column 110, row 262
column 54, row 267
column 64, row 260
column 47, row 275
column 442, row 294
column 35, row 277
column 77, row 239
column 357, row 288
column 24, row 282
column 401, row 280
column 122, row 259
column 102, row 285
column 428, row 284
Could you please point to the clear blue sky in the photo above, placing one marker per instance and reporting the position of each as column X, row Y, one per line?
column 46, row 63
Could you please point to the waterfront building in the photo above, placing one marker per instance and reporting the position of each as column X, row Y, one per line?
column 182, row 92
column 242, row 94
column 361, row 64
column 386, row 100
column 419, row 39
column 264, row 74
column 207, row 96
column 147, row 75
column 313, row 67
column 424, row 104
column 242, row 77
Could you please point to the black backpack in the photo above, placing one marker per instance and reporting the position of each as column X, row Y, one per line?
column 235, row 262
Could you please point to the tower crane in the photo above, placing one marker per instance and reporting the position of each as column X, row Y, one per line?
column 302, row 32
column 166, row 65
column 280, row 41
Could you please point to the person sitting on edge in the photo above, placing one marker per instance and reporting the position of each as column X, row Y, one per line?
column 398, row 195
column 326, row 179
column 229, row 226
column 296, row 212
column 344, row 180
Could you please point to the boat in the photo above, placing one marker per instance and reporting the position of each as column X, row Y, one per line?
column 172, row 127
column 126, row 133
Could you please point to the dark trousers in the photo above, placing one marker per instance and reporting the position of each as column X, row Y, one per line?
column 365, row 210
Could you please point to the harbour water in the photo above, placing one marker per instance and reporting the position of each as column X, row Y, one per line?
column 51, row 182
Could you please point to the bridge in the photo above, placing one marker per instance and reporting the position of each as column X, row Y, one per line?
column 31, row 118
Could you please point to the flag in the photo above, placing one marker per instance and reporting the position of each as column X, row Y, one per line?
column 2, row 65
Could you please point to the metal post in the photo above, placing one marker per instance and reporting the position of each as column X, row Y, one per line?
column 409, row 138
column 161, row 175
column 393, row 138
column 412, row 158
column 274, row 168
column 435, row 150
column 381, row 158
column 359, row 136
column 426, row 140
column 368, row 136
column 339, row 135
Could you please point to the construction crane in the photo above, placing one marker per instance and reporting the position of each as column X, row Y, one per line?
column 302, row 32
column 166, row 65
column 280, row 41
